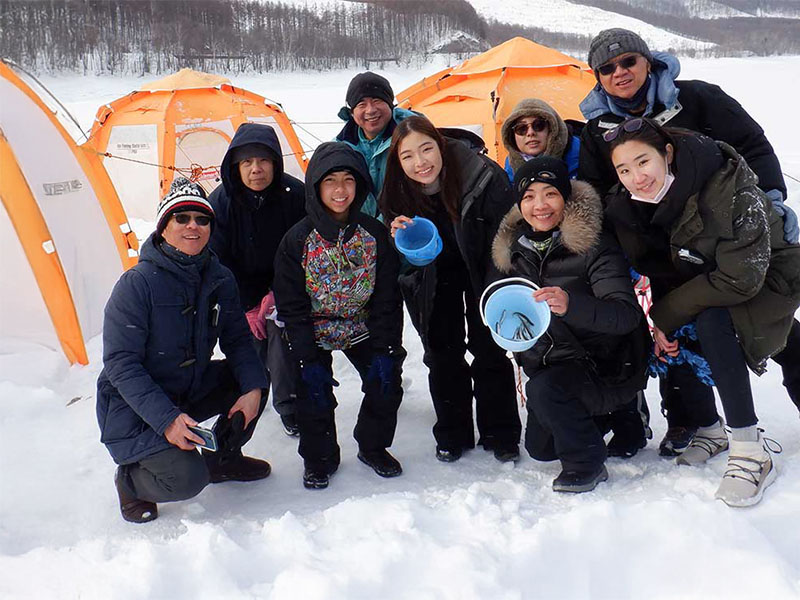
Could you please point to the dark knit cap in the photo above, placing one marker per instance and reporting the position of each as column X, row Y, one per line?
column 183, row 195
column 610, row 43
column 369, row 85
column 252, row 151
column 545, row 169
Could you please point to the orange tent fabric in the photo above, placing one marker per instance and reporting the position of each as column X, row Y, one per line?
column 180, row 125
column 479, row 93
column 64, row 238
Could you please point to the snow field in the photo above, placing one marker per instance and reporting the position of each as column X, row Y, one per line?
column 472, row 529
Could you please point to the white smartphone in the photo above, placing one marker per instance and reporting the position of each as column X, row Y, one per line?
column 209, row 439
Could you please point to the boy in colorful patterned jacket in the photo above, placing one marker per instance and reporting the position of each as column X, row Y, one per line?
column 336, row 289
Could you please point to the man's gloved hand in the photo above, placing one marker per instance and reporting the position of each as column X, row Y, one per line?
column 381, row 368
column 318, row 380
column 258, row 326
column 791, row 230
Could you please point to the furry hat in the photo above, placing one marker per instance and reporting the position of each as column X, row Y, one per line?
column 557, row 134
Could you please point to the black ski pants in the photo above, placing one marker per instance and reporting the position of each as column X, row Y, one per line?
column 454, row 328
column 559, row 401
column 377, row 417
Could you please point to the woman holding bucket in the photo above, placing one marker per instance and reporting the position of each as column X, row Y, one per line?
column 465, row 195
column 689, row 214
column 592, row 358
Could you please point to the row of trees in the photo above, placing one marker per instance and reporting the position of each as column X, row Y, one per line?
column 156, row 36
column 153, row 36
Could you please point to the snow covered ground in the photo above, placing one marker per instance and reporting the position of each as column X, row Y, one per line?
column 469, row 530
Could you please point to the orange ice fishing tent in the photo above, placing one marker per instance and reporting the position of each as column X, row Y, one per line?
column 180, row 125
column 64, row 238
column 479, row 93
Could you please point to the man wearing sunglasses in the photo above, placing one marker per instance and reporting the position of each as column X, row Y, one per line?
column 634, row 82
column 255, row 206
column 162, row 323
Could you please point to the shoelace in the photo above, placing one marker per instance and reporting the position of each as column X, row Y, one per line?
column 709, row 444
column 740, row 470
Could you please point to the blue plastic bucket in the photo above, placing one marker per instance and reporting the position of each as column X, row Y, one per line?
column 515, row 320
column 419, row 242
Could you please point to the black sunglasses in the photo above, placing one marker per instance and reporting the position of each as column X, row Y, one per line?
column 538, row 125
column 185, row 218
column 629, row 126
column 625, row 63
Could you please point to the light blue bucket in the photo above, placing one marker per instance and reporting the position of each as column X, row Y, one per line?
column 419, row 242
column 515, row 320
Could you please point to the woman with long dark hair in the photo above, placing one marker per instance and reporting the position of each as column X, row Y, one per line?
column 690, row 216
column 466, row 195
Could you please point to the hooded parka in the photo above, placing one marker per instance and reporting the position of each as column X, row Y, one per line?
column 713, row 241
column 161, row 325
column 250, row 225
column 336, row 284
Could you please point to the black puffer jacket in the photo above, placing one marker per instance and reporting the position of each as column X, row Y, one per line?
column 702, row 107
column 249, row 225
column 486, row 198
column 603, row 313
column 336, row 284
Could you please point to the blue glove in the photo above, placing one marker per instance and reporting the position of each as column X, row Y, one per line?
column 791, row 231
column 318, row 380
column 382, row 368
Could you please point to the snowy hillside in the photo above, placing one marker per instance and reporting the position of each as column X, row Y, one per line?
column 470, row 530
column 566, row 17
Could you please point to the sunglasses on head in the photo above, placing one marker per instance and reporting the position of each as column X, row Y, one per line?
column 625, row 63
column 185, row 218
column 630, row 126
column 538, row 125
column 540, row 176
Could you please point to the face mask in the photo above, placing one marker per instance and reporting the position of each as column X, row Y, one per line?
column 668, row 179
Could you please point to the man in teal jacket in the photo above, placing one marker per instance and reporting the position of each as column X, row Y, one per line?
column 370, row 118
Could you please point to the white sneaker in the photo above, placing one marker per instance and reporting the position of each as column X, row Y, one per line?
column 750, row 471
column 707, row 442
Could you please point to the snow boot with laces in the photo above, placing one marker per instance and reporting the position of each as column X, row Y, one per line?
column 750, row 471
column 706, row 443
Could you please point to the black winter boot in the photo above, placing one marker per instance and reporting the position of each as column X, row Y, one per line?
column 133, row 510
column 579, row 481
column 317, row 476
column 235, row 467
column 383, row 463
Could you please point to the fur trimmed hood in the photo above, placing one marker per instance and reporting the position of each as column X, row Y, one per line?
column 580, row 228
column 558, row 134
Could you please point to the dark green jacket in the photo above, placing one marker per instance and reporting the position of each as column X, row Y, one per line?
column 726, row 246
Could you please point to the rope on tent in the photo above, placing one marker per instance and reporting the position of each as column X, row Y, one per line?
column 792, row 178
column 295, row 124
column 193, row 172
